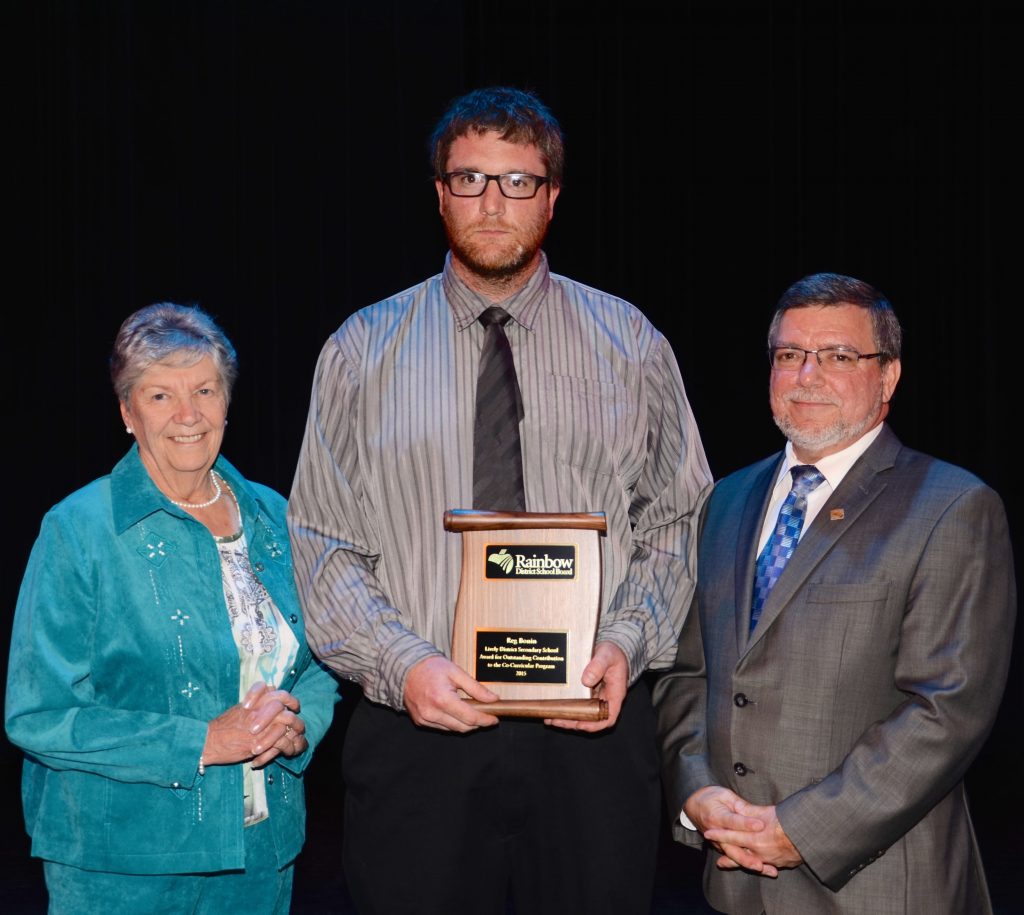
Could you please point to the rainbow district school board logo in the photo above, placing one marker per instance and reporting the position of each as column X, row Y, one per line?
column 543, row 561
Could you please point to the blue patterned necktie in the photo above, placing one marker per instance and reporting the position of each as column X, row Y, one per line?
column 497, row 451
column 782, row 542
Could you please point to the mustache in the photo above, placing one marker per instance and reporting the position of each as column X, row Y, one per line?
column 491, row 224
column 810, row 396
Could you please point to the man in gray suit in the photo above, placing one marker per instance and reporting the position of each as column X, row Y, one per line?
column 824, row 708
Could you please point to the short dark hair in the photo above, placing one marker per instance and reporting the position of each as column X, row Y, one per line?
column 167, row 331
column 836, row 289
column 516, row 115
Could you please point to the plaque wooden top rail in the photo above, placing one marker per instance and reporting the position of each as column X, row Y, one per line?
column 463, row 519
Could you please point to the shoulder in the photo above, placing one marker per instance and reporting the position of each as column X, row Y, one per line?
column 924, row 489
column 80, row 525
column 90, row 505
column 917, row 479
column 935, row 471
column 368, row 335
column 382, row 316
column 269, row 500
column 597, row 301
column 608, row 317
column 742, row 480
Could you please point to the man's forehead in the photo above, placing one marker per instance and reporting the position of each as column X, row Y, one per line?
column 817, row 319
column 489, row 143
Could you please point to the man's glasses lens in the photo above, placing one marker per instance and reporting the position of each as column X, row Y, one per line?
column 838, row 359
column 517, row 185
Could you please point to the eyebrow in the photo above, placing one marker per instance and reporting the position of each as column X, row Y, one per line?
column 786, row 345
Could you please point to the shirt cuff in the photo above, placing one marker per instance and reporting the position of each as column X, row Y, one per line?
column 686, row 821
column 400, row 656
column 627, row 637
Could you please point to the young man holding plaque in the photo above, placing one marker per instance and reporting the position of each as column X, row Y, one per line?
column 446, row 809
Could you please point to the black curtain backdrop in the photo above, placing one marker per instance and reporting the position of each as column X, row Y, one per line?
column 268, row 161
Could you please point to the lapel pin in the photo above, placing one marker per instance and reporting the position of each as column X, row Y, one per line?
column 837, row 514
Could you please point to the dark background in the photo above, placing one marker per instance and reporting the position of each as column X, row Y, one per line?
column 267, row 160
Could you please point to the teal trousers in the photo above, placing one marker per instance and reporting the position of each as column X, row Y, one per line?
column 261, row 889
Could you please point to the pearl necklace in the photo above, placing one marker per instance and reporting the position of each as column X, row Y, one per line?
column 217, row 494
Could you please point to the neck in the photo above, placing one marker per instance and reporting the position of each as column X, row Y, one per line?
column 193, row 486
column 496, row 287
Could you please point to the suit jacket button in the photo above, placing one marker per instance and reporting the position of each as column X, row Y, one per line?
column 294, row 618
column 740, row 699
column 740, row 769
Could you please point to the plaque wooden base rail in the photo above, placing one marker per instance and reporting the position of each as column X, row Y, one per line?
column 527, row 611
column 571, row 709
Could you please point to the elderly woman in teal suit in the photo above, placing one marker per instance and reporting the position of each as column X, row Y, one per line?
column 160, row 684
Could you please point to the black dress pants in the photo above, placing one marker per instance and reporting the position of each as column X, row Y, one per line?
column 517, row 818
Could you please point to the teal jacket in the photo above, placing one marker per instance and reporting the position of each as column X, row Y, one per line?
column 121, row 653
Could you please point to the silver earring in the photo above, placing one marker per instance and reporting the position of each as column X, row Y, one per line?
column 128, row 429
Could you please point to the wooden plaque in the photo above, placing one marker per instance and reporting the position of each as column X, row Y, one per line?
column 527, row 611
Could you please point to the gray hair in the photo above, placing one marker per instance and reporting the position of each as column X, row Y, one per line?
column 836, row 289
column 167, row 332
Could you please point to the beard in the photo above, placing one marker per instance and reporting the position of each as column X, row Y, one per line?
column 496, row 262
column 822, row 439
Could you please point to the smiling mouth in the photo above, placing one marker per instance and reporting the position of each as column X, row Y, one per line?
column 187, row 439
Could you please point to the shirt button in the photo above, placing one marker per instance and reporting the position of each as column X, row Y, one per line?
column 294, row 618
column 270, row 778
column 258, row 567
column 740, row 769
column 740, row 699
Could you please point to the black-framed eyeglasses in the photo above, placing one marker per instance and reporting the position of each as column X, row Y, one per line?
column 515, row 185
column 831, row 359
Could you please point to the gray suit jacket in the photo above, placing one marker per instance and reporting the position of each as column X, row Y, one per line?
column 868, row 687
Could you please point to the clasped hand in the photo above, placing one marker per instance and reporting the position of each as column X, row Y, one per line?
column 264, row 725
column 747, row 835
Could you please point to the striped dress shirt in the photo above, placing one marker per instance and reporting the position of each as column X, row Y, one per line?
column 388, row 448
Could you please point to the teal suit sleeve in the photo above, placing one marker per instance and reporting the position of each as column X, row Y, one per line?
column 54, row 711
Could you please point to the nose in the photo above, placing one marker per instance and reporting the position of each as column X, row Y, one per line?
column 188, row 412
column 810, row 371
column 492, row 201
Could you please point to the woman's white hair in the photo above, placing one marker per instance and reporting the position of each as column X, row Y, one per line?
column 166, row 332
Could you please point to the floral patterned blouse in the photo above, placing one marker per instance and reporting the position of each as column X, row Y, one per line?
column 266, row 646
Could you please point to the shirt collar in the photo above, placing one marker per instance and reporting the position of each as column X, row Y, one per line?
column 832, row 467
column 467, row 305
column 135, row 496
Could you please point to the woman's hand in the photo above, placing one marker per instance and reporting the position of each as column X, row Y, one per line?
column 264, row 725
column 292, row 740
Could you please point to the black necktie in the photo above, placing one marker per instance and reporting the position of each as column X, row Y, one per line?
column 497, row 453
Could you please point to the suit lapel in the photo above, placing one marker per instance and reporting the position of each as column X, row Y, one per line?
column 859, row 488
column 749, row 532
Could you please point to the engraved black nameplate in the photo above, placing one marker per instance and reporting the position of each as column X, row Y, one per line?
column 506, row 656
